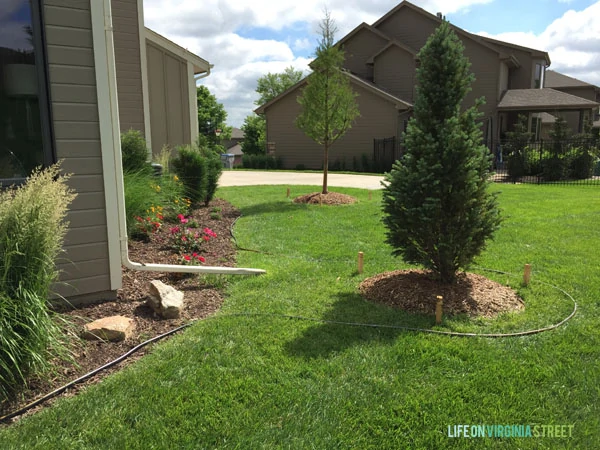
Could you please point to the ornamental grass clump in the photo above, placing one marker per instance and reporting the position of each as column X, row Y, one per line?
column 32, row 229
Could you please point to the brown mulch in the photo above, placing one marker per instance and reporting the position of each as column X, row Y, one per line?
column 416, row 291
column 201, row 300
column 331, row 198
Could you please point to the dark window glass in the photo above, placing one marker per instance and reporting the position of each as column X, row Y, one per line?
column 24, row 131
column 539, row 72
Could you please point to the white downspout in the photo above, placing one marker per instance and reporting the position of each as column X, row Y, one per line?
column 112, row 144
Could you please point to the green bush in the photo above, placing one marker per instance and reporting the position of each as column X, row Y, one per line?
column 582, row 164
column 32, row 230
column 261, row 161
column 134, row 152
column 199, row 170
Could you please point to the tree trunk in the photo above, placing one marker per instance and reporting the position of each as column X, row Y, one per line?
column 325, row 167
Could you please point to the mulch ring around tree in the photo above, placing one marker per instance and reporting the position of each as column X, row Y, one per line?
column 331, row 198
column 415, row 291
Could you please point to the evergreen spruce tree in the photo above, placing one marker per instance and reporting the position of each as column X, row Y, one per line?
column 437, row 206
column 328, row 102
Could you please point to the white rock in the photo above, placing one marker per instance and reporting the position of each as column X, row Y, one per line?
column 165, row 300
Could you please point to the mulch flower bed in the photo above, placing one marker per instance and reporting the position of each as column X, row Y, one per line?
column 201, row 300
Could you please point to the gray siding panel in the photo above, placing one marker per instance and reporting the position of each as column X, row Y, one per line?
column 77, row 141
column 126, row 34
column 169, row 98
column 359, row 48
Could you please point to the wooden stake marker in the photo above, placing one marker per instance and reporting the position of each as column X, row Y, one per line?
column 361, row 262
column 438, row 309
column 370, row 195
column 288, row 193
column 527, row 274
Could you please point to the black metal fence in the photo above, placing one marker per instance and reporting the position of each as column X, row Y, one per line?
column 568, row 161
column 385, row 153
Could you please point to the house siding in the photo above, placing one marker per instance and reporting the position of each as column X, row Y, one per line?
column 379, row 119
column 408, row 27
column 359, row 48
column 395, row 72
column 71, row 75
column 169, row 98
column 126, row 34
column 484, row 63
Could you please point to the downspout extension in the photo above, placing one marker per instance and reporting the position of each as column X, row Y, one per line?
column 118, row 168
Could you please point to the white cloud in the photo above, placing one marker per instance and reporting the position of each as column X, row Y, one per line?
column 572, row 41
column 215, row 30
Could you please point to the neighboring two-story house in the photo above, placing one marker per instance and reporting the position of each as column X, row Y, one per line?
column 381, row 62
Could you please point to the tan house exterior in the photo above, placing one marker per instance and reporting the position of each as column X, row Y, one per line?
column 79, row 62
column 382, row 59
column 156, row 80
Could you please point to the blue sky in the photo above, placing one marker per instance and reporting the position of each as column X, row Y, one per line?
column 246, row 39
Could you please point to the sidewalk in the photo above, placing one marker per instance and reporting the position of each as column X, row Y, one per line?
column 250, row 178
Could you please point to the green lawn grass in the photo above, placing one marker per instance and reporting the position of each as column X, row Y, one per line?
column 252, row 378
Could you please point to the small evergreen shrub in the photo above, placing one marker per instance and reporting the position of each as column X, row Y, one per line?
column 192, row 169
column 582, row 164
column 32, row 230
column 134, row 152
column 261, row 161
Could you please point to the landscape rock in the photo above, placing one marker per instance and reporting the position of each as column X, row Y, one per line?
column 165, row 300
column 113, row 329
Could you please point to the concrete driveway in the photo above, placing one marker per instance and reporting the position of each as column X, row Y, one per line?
column 250, row 178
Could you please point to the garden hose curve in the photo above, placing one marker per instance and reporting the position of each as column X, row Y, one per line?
column 88, row 375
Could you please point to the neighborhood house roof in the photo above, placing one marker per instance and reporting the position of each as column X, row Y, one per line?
column 399, row 103
column 558, row 80
column 541, row 100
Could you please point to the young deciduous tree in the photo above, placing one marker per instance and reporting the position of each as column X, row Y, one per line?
column 254, row 142
column 438, row 209
column 328, row 102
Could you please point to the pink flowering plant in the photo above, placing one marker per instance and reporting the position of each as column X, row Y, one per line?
column 189, row 240
column 192, row 260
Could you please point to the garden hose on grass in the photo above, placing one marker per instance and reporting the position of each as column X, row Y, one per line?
column 81, row 379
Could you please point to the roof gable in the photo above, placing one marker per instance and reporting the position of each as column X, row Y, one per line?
column 398, row 102
column 362, row 26
column 391, row 44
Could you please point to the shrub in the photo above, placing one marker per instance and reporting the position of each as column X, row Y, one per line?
column 192, row 169
column 437, row 207
column 134, row 152
column 265, row 162
column 32, row 229
column 582, row 164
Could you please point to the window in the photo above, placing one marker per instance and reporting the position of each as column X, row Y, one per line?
column 25, row 141
column 539, row 76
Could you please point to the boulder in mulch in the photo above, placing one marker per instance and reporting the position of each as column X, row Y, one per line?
column 165, row 300
column 113, row 329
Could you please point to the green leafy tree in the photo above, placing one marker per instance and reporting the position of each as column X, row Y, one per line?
column 328, row 102
column 271, row 85
column 254, row 142
column 437, row 206
column 211, row 116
